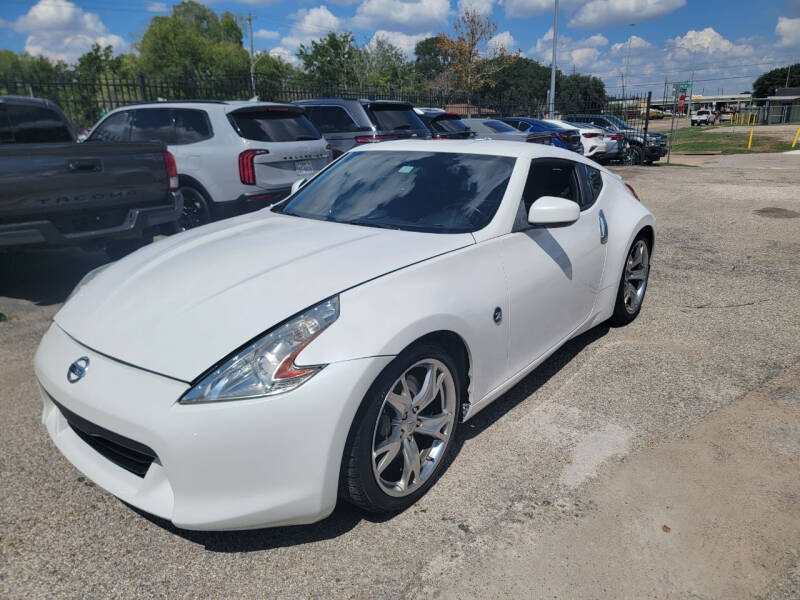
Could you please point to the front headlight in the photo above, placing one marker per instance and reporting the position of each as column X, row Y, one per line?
column 266, row 366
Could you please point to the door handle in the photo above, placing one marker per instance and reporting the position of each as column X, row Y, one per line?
column 603, row 228
column 78, row 164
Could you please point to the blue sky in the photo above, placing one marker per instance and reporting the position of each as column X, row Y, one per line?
column 725, row 43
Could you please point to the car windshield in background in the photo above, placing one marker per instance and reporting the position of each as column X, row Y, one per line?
column 449, row 124
column 390, row 117
column 499, row 126
column 438, row 192
column 618, row 122
column 273, row 125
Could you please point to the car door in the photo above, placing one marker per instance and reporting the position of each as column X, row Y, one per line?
column 554, row 272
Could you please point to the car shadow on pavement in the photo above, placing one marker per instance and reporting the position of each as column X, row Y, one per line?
column 345, row 517
column 45, row 277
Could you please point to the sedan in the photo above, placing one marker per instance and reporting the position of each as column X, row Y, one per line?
column 494, row 129
column 563, row 137
column 253, row 371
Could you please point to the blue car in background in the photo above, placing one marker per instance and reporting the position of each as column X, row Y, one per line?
column 561, row 136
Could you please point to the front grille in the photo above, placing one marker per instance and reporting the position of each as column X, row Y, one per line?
column 123, row 452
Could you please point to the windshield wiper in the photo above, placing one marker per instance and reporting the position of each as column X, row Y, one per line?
column 368, row 223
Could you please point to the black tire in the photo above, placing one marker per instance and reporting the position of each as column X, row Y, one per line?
column 622, row 314
column 196, row 208
column 358, row 483
column 116, row 249
column 636, row 155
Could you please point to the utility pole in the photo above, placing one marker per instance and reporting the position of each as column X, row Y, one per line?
column 252, row 54
column 553, row 64
column 691, row 93
column 788, row 70
column 627, row 60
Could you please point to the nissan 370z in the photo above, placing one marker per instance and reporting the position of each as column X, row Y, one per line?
column 250, row 372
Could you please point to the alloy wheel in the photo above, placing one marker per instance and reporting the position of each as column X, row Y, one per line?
column 414, row 427
column 195, row 209
column 637, row 267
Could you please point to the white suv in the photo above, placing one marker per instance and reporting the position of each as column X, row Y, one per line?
column 232, row 157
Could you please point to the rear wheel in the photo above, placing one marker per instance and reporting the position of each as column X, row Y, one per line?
column 401, row 438
column 196, row 211
column 633, row 285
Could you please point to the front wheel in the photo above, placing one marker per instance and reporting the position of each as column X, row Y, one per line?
column 404, row 431
column 196, row 210
column 633, row 284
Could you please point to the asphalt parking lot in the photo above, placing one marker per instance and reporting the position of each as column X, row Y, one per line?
column 660, row 460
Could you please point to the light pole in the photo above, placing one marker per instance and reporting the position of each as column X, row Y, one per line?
column 627, row 60
column 553, row 63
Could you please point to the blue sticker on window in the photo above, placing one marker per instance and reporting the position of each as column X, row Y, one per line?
column 405, row 169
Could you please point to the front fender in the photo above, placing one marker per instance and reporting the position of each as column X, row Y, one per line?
column 455, row 292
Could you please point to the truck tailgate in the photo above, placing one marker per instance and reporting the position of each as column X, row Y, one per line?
column 58, row 181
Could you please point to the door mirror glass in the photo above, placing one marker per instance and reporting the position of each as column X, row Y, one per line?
column 552, row 210
column 298, row 184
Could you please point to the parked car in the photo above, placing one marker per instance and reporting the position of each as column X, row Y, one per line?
column 250, row 373
column 594, row 140
column 562, row 137
column 704, row 116
column 349, row 123
column 232, row 157
column 640, row 150
column 54, row 191
column 617, row 147
column 497, row 130
column 443, row 124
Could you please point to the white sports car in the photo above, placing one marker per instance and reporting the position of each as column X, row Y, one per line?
column 249, row 372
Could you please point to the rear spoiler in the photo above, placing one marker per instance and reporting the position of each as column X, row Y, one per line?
column 270, row 108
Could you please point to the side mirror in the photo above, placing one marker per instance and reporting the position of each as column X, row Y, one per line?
column 552, row 210
column 298, row 184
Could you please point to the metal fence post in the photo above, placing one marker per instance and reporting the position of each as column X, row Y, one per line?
column 647, row 116
column 142, row 87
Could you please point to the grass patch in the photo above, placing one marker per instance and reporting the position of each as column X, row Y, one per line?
column 4, row 318
column 701, row 139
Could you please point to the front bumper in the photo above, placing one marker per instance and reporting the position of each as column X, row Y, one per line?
column 217, row 466
column 133, row 225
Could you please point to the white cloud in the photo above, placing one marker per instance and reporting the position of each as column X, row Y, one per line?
column 404, row 41
column 285, row 54
column 156, row 7
column 63, row 31
column 789, row 31
column 530, row 8
column 705, row 42
column 578, row 53
column 636, row 43
column 504, row 40
column 482, row 7
column 310, row 24
column 266, row 34
column 613, row 12
column 408, row 16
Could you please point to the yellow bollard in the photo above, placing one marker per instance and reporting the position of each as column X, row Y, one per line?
column 750, row 141
column 796, row 135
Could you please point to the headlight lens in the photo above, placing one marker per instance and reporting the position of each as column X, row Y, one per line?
column 266, row 366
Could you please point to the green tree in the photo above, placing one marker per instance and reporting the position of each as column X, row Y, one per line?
column 432, row 59
column 768, row 82
column 384, row 64
column 193, row 43
column 24, row 67
column 332, row 61
column 579, row 93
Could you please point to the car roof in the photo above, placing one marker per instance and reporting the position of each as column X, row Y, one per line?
column 361, row 101
column 11, row 99
column 227, row 105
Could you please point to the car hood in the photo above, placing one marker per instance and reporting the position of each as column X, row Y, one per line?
column 180, row 305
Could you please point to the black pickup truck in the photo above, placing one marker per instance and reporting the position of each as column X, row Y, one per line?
column 55, row 191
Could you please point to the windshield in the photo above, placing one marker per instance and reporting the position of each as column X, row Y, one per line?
column 449, row 124
column 393, row 117
column 498, row 126
column 273, row 125
column 437, row 192
column 618, row 122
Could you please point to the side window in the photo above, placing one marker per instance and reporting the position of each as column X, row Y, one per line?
column 35, row 124
column 551, row 177
column 592, row 185
column 153, row 124
column 116, row 128
column 191, row 125
column 331, row 119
